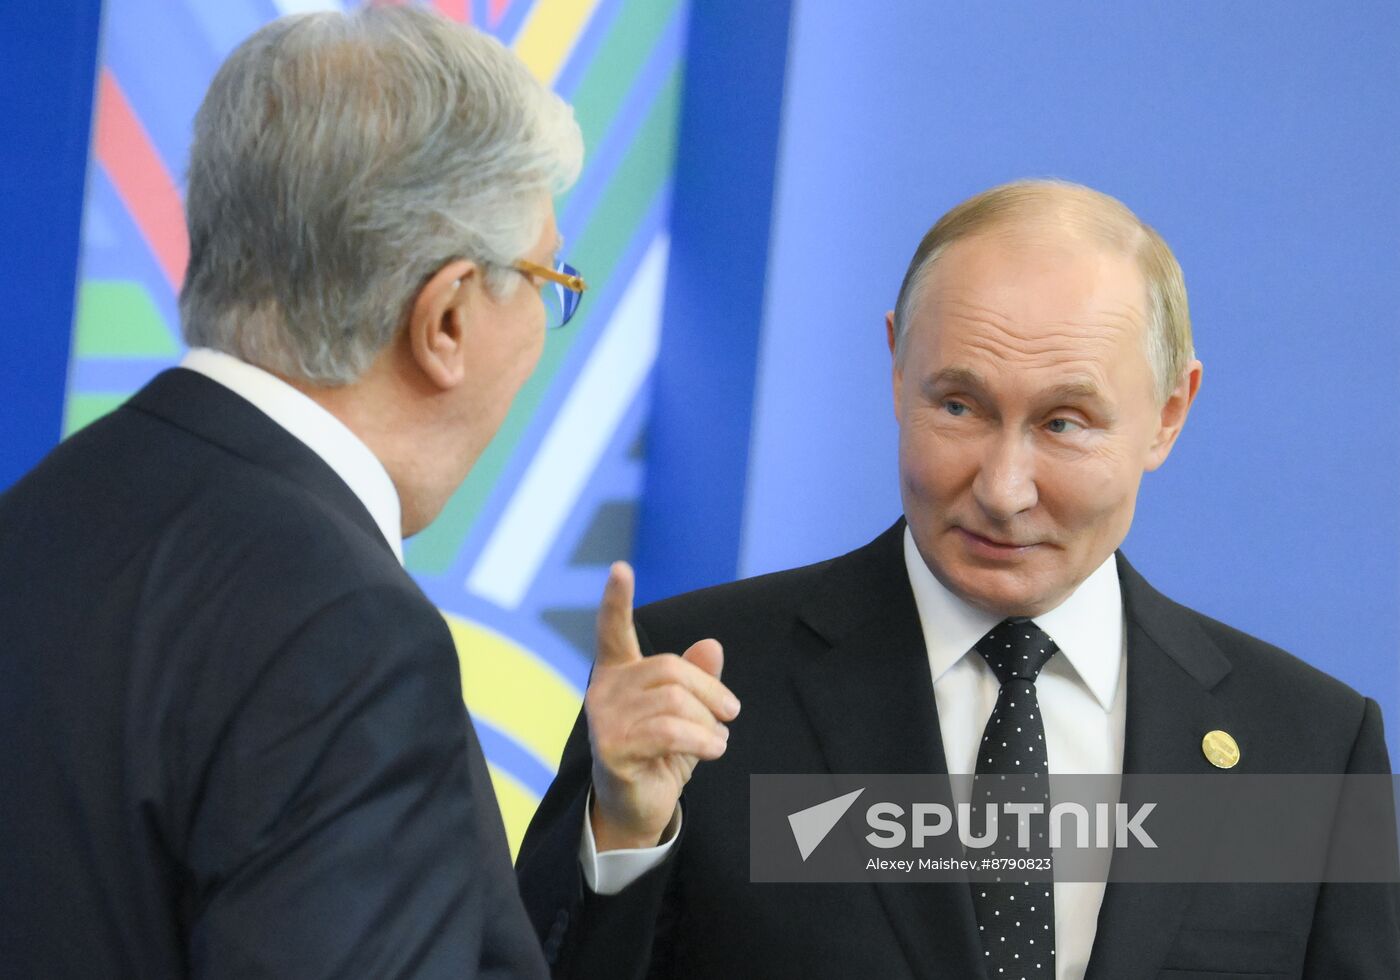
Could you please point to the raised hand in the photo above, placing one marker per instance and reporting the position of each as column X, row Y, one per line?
column 650, row 721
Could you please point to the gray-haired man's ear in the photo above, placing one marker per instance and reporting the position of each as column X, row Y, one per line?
column 437, row 323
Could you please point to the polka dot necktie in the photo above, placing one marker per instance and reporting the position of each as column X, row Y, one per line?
column 1015, row 915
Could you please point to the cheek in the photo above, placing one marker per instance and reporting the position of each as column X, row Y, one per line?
column 534, row 347
column 1088, row 493
column 529, row 341
column 932, row 466
column 514, row 360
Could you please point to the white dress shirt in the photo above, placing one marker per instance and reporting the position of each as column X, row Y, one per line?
column 1082, row 694
column 322, row 432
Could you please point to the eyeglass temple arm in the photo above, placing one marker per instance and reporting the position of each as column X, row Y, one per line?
column 574, row 283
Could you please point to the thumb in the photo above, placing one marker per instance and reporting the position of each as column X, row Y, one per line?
column 617, row 637
column 708, row 655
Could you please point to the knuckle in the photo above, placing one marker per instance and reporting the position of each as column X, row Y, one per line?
column 668, row 665
column 669, row 731
column 712, row 691
column 674, row 699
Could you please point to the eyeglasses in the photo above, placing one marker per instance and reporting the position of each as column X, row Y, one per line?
column 561, row 292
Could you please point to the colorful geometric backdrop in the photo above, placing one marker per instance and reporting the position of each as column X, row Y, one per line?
column 1260, row 138
column 518, row 558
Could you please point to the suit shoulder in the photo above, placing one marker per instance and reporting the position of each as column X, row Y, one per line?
column 131, row 479
column 282, row 550
column 208, row 528
column 1280, row 677
column 1251, row 649
column 763, row 598
column 1251, row 663
column 279, row 517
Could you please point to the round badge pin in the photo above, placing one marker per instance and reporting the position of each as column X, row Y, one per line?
column 1220, row 749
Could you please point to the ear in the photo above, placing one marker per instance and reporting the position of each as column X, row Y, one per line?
column 896, row 369
column 1173, row 416
column 437, row 322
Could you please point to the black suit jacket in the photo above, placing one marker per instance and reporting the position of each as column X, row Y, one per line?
column 829, row 662
column 232, row 737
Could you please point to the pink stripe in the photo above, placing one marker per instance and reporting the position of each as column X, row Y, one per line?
column 145, row 187
column 458, row 10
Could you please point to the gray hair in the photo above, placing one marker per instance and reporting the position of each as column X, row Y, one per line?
column 339, row 160
column 1103, row 219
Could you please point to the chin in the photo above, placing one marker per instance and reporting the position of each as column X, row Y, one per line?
column 998, row 592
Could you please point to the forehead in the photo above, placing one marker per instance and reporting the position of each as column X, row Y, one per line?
column 1032, row 298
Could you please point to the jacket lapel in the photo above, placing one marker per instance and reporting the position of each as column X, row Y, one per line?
column 1172, row 668
column 869, row 697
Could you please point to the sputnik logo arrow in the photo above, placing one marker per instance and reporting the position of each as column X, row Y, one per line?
column 810, row 826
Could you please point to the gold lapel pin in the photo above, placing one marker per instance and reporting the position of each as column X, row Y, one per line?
column 1220, row 749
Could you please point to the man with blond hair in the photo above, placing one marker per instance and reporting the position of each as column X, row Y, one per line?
column 1041, row 364
column 232, row 740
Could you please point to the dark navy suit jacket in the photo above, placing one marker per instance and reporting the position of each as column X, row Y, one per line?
column 829, row 662
column 232, row 737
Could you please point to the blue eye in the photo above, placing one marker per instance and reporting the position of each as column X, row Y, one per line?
column 1061, row 426
column 955, row 408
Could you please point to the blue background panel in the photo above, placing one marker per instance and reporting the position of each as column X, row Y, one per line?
column 48, row 55
column 1262, row 140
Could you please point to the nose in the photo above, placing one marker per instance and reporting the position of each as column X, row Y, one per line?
column 1005, row 481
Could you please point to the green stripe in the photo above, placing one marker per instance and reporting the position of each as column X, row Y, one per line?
column 615, row 65
column 83, row 409
column 631, row 192
column 116, row 318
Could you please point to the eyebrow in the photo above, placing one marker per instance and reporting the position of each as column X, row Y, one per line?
column 1074, row 391
column 960, row 377
column 955, row 377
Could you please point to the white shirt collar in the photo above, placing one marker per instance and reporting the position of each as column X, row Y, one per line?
column 322, row 432
column 1087, row 626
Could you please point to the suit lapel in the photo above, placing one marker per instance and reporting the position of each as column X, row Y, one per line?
column 1172, row 668
column 869, row 697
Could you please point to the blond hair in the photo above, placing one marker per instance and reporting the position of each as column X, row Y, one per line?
column 1103, row 219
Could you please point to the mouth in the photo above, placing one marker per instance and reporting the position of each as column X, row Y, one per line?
column 987, row 547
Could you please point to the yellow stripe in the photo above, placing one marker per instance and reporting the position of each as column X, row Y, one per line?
column 549, row 34
column 506, row 686
column 517, row 806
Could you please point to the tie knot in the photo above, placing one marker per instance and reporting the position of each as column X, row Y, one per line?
column 1016, row 648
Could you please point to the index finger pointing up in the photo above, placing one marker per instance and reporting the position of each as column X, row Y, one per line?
column 617, row 637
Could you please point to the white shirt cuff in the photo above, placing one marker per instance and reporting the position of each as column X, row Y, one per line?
column 610, row 872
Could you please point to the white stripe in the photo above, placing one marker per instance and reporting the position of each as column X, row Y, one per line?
column 617, row 367
column 285, row 7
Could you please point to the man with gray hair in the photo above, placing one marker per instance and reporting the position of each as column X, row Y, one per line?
column 232, row 736
column 1041, row 364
